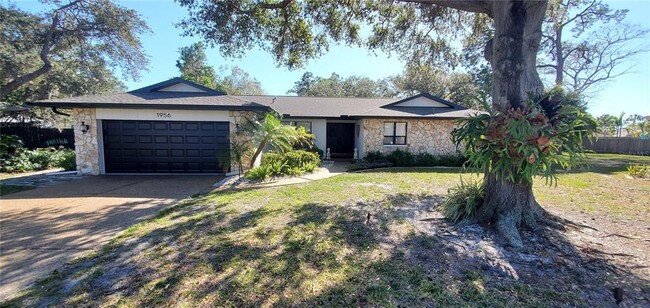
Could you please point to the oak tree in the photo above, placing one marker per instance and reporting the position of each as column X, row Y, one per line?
column 419, row 31
column 73, row 34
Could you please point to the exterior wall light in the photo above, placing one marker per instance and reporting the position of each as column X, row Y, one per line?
column 84, row 127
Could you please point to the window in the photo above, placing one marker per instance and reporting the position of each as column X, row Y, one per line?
column 394, row 133
column 305, row 124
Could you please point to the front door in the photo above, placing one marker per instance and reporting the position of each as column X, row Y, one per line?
column 340, row 139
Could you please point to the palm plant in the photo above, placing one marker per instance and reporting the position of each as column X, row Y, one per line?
column 269, row 130
column 619, row 124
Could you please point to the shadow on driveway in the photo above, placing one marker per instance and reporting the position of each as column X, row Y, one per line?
column 44, row 228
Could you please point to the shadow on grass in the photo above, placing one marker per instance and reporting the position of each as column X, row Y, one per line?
column 317, row 254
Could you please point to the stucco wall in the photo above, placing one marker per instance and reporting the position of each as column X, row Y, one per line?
column 86, row 144
column 427, row 135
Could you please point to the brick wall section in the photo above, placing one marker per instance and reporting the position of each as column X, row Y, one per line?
column 85, row 144
column 422, row 135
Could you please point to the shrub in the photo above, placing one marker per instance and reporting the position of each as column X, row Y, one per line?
column 310, row 167
column 463, row 201
column 401, row 158
column 289, row 163
column 260, row 173
column 41, row 158
column 66, row 159
column 425, row 159
column 451, row 160
column 17, row 163
column 9, row 145
column 374, row 156
column 638, row 171
column 316, row 151
column 23, row 160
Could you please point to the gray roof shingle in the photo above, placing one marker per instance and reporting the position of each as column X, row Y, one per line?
column 173, row 100
column 288, row 106
column 336, row 107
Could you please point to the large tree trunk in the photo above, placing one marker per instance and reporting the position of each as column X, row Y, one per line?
column 512, row 53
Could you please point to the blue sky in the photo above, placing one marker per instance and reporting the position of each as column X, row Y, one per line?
column 629, row 93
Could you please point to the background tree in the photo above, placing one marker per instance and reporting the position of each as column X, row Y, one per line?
column 586, row 43
column 635, row 125
column 235, row 81
column 619, row 124
column 193, row 66
column 303, row 86
column 606, row 124
column 82, row 33
column 460, row 88
column 337, row 86
column 420, row 31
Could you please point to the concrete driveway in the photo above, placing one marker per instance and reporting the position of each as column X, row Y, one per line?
column 43, row 228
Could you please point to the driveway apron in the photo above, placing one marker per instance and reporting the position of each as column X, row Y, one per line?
column 43, row 228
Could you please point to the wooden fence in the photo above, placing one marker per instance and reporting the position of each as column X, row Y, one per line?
column 36, row 137
column 619, row 145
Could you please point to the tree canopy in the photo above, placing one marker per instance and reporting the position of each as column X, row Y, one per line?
column 235, row 81
column 79, row 43
column 462, row 88
column 193, row 66
column 337, row 86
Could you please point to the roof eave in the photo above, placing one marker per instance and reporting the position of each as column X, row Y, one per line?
column 148, row 106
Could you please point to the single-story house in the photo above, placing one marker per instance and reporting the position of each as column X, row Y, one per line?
column 178, row 126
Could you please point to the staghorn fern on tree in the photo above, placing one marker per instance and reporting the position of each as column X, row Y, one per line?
column 512, row 147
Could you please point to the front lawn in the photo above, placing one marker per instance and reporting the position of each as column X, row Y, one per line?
column 367, row 239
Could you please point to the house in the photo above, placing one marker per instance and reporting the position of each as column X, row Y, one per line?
column 178, row 126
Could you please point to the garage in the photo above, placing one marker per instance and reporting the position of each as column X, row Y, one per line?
column 137, row 146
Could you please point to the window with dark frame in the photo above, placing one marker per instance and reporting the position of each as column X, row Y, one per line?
column 305, row 124
column 395, row 133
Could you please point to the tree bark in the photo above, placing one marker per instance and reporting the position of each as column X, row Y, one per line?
column 559, row 50
column 259, row 150
column 513, row 54
column 44, row 54
column 518, row 33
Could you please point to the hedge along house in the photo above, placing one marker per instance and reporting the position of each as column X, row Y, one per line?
column 178, row 126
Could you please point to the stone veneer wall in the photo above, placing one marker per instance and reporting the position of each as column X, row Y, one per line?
column 422, row 135
column 86, row 145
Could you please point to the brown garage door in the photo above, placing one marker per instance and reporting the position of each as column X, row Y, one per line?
column 166, row 146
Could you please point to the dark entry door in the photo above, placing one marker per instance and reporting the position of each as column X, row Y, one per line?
column 340, row 139
column 166, row 146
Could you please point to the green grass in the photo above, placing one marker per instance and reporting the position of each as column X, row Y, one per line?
column 10, row 189
column 308, row 245
column 600, row 188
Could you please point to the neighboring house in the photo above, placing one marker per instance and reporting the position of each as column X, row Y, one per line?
column 177, row 126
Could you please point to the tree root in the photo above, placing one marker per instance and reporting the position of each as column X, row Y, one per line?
column 623, row 236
